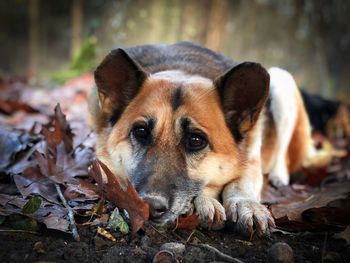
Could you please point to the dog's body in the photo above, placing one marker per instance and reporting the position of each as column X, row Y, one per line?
column 329, row 117
column 189, row 126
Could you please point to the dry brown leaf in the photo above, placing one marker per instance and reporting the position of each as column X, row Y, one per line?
column 61, row 132
column 55, row 162
column 317, row 211
column 10, row 144
column 128, row 199
column 82, row 191
column 336, row 213
column 106, row 234
column 319, row 199
column 189, row 222
column 52, row 215
column 10, row 106
column 33, row 182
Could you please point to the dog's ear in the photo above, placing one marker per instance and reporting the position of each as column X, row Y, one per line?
column 243, row 91
column 118, row 79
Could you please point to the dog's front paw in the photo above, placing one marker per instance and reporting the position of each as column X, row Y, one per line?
column 278, row 181
column 249, row 216
column 210, row 212
column 279, row 176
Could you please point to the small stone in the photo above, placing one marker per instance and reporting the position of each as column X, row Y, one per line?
column 195, row 241
column 280, row 253
column 164, row 256
column 145, row 242
column 177, row 248
column 39, row 247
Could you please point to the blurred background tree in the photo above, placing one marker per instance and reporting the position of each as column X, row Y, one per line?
column 310, row 38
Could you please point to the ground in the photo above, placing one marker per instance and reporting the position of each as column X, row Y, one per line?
column 59, row 247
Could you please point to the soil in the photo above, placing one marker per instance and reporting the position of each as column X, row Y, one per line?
column 55, row 246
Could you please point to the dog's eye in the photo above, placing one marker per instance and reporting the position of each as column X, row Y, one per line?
column 141, row 133
column 196, row 142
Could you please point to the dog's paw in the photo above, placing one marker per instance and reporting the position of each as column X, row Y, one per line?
column 210, row 212
column 279, row 176
column 278, row 181
column 249, row 216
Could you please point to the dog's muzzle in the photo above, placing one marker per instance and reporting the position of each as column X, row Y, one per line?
column 158, row 206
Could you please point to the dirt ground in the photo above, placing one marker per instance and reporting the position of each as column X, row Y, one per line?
column 55, row 246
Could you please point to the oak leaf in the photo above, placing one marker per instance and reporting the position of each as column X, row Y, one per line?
column 127, row 199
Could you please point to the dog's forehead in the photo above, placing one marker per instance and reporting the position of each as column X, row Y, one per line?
column 177, row 76
column 168, row 90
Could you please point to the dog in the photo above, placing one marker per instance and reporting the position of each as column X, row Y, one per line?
column 193, row 129
column 329, row 117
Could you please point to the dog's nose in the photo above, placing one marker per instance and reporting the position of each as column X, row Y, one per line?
column 158, row 206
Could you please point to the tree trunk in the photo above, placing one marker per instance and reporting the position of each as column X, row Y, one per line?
column 216, row 24
column 34, row 38
column 76, row 26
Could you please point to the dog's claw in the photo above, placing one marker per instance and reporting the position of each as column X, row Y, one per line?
column 249, row 216
column 210, row 212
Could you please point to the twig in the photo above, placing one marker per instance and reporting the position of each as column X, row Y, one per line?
column 70, row 214
column 188, row 239
column 177, row 223
column 220, row 254
column 160, row 233
column 18, row 231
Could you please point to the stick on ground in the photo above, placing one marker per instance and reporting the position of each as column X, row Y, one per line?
column 70, row 214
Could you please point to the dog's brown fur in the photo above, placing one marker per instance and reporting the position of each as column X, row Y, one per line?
column 183, row 92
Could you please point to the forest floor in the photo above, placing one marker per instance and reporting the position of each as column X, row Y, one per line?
column 43, row 154
column 198, row 246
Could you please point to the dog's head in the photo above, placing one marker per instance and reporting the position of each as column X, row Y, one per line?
column 173, row 135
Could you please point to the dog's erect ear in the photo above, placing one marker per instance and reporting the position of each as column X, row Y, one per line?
column 118, row 79
column 243, row 91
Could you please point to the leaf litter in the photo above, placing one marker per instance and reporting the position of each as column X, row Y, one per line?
column 40, row 150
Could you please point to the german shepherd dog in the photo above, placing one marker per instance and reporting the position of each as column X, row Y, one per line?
column 329, row 117
column 195, row 131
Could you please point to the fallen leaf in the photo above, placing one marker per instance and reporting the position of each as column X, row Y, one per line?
column 32, row 205
column 128, row 199
column 52, row 215
column 315, row 211
column 61, row 132
column 33, row 182
column 81, row 191
column 54, row 161
column 189, row 222
column 285, row 194
column 10, row 106
column 117, row 222
column 335, row 213
column 10, row 144
column 56, row 220
column 105, row 233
